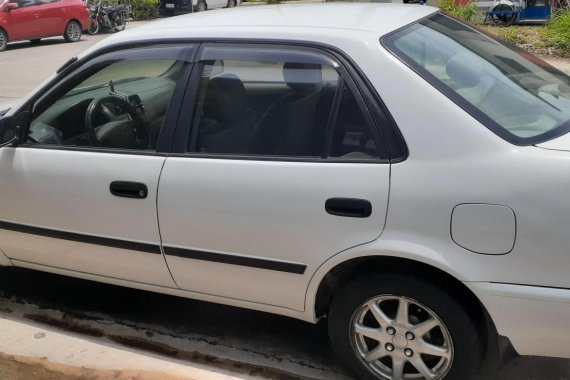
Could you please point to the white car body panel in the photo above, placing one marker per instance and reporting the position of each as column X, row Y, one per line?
column 68, row 191
column 453, row 160
column 534, row 318
column 263, row 209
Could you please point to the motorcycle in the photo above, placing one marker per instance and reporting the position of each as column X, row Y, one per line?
column 113, row 19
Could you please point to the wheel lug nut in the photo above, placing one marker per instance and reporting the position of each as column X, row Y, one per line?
column 410, row 336
column 389, row 347
column 391, row 330
column 408, row 352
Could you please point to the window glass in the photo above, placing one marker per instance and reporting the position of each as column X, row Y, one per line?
column 263, row 108
column 352, row 137
column 26, row 3
column 519, row 97
column 121, row 106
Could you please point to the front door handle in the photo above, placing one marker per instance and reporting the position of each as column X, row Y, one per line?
column 349, row 207
column 128, row 189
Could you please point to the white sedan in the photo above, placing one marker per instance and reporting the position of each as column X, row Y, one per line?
column 386, row 167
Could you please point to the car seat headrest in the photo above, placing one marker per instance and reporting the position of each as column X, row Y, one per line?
column 463, row 72
column 225, row 97
column 304, row 78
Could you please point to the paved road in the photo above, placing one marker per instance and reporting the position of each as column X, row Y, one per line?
column 23, row 67
column 243, row 341
column 200, row 330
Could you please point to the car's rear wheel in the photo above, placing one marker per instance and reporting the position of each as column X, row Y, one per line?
column 72, row 32
column 201, row 6
column 3, row 40
column 394, row 327
column 232, row 3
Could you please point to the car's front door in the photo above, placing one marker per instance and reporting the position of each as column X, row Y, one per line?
column 266, row 190
column 22, row 21
column 80, row 193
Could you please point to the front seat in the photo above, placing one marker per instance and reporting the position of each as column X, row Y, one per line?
column 227, row 125
column 287, row 127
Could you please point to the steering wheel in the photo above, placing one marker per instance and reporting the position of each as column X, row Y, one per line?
column 97, row 105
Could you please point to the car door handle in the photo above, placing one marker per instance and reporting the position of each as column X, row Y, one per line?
column 349, row 207
column 128, row 189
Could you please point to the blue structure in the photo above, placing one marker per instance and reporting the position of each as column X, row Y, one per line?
column 507, row 12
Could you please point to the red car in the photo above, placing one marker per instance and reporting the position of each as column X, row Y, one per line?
column 35, row 19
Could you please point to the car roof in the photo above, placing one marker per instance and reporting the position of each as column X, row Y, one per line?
column 281, row 22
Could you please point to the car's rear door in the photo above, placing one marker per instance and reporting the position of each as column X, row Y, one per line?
column 52, row 17
column 73, row 203
column 257, row 198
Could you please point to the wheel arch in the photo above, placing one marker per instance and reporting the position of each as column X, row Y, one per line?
column 341, row 273
column 5, row 32
column 71, row 20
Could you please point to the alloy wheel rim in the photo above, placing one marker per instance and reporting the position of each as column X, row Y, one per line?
column 201, row 7
column 396, row 338
column 74, row 31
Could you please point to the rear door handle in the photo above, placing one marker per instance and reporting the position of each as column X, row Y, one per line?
column 128, row 189
column 349, row 207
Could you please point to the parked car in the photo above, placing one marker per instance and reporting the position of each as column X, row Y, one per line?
column 269, row 158
column 35, row 19
column 172, row 7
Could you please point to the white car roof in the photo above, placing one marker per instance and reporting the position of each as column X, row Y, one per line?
column 309, row 22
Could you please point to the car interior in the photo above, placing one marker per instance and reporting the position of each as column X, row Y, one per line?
column 277, row 109
column 121, row 106
column 251, row 108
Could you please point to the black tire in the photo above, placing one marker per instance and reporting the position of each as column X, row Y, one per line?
column 201, row 6
column 3, row 40
column 232, row 3
column 93, row 27
column 505, row 19
column 120, row 22
column 465, row 337
column 35, row 41
column 72, row 31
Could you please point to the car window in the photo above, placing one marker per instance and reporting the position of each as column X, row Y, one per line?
column 352, row 136
column 26, row 3
column 519, row 97
column 270, row 109
column 120, row 106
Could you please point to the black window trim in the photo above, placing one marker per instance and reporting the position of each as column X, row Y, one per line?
column 184, row 53
column 333, row 58
column 393, row 138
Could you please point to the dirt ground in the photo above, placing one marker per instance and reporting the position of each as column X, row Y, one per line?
column 21, row 368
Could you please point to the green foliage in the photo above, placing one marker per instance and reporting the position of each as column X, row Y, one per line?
column 557, row 31
column 467, row 12
column 144, row 9
column 273, row 1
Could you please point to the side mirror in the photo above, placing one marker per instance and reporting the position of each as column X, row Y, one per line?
column 11, row 6
column 9, row 132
